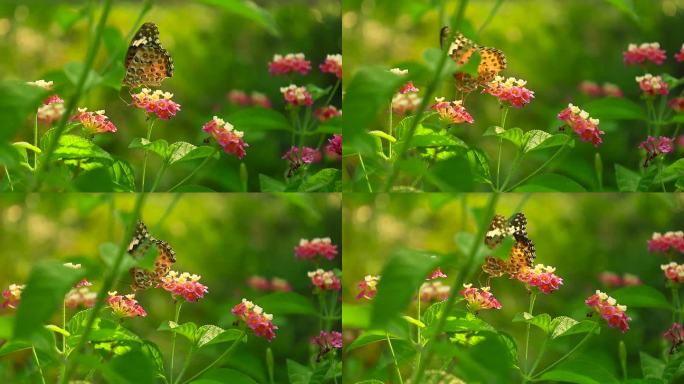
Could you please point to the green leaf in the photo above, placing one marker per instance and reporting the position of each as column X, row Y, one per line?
column 25, row 145
column 479, row 165
column 73, row 73
column 435, row 140
column 462, row 323
column 56, row 329
column 433, row 312
column 18, row 100
column 259, row 119
column 679, row 118
column 182, row 155
column 123, row 176
column 673, row 367
column 322, row 181
column 627, row 181
column 178, row 151
column 541, row 321
column 355, row 316
column 132, row 367
column 626, row 7
column 383, row 135
column 224, row 376
column 614, row 108
column 674, row 170
column 47, row 284
column 300, row 374
column 651, row 367
column 211, row 334
column 401, row 277
column 248, row 10
column 557, row 140
column 580, row 371
column 76, row 147
column 188, row 330
column 114, row 76
column 269, row 184
column 641, row 296
column 160, row 147
column 550, row 182
column 287, row 303
column 14, row 346
column 369, row 337
column 513, row 135
column 576, row 328
column 413, row 321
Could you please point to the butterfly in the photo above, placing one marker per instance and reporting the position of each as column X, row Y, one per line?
column 461, row 49
column 500, row 228
column 138, row 247
column 147, row 62
column 522, row 257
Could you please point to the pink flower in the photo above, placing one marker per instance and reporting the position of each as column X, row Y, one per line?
column 81, row 295
column 542, row 277
column 590, row 88
column 290, row 63
column 611, row 90
column 665, row 242
column 51, row 110
column 611, row 311
column 652, row 85
column 185, row 285
column 125, row 306
column 260, row 100
column 511, row 91
column 334, row 146
column 677, row 104
column 403, row 104
column 478, row 299
column 229, row 138
column 326, row 113
column 12, row 296
column 47, row 85
column 675, row 335
column 436, row 274
column 327, row 341
column 656, row 146
column 299, row 158
column 280, row 285
column 368, row 287
column 296, row 96
column 629, row 279
column 579, row 120
column 259, row 283
column 680, row 55
column 673, row 272
column 332, row 64
column 238, row 97
column 257, row 320
column 434, row 291
column 408, row 88
column 94, row 122
column 325, row 280
column 644, row 52
column 157, row 102
column 610, row 279
column 309, row 249
column 453, row 112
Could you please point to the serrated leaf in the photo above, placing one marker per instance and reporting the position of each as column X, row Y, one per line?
column 534, row 138
column 188, row 330
column 322, row 181
column 159, row 147
column 178, row 150
column 211, row 334
column 541, row 321
column 76, row 147
column 561, row 324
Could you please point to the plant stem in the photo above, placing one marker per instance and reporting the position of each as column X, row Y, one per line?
column 533, row 297
column 536, row 171
column 564, row 357
column 539, row 356
column 418, row 333
column 223, row 355
column 71, row 103
column 490, row 16
column 504, row 114
column 40, row 369
column 389, row 131
column 188, row 359
column 677, row 311
column 365, row 174
column 9, row 180
column 458, row 281
column 332, row 92
column 157, row 178
column 150, row 124
column 432, row 86
column 202, row 164
column 394, row 358
column 35, row 142
column 179, row 303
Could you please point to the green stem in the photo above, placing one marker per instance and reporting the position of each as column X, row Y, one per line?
column 40, row 369
column 186, row 365
column 223, row 355
column 490, row 16
column 504, row 114
column 150, row 124
column 536, row 171
column 533, row 297
column 539, row 356
column 676, row 303
column 179, row 303
column 35, row 142
column 9, row 180
column 332, row 93
column 365, row 174
column 418, row 333
column 458, row 281
column 565, row 357
column 109, row 282
column 389, row 130
column 394, row 358
column 323, row 308
column 64, row 351
column 71, row 103
column 202, row 164
column 158, row 178
column 432, row 86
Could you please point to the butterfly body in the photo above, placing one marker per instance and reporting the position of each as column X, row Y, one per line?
column 461, row 49
column 147, row 63
column 139, row 246
column 522, row 254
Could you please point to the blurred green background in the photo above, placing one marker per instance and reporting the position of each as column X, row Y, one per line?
column 216, row 47
column 581, row 235
column 553, row 44
column 223, row 238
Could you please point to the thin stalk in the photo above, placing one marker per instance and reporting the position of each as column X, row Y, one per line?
column 432, row 86
column 504, row 114
column 564, row 357
column 536, row 171
column 179, row 303
column 533, row 297
column 71, row 103
column 110, row 280
column 418, row 335
column 542, row 349
column 150, row 124
column 365, row 174
column 158, row 178
column 223, row 355
column 40, row 369
column 304, row 127
column 35, row 142
column 64, row 351
column 332, row 93
column 490, row 16
column 202, row 164
column 394, row 358
column 458, row 281
column 676, row 303
column 9, row 179
column 323, row 308
column 389, row 131
column 188, row 359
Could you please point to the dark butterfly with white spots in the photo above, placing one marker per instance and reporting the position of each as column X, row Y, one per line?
column 138, row 248
column 523, row 252
column 147, row 62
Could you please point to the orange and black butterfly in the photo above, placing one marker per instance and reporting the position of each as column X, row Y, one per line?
column 492, row 60
column 500, row 228
column 523, row 252
column 147, row 62
column 138, row 248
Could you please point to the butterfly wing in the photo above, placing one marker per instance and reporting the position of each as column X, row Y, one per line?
column 494, row 267
column 461, row 49
column 147, row 62
column 519, row 226
column 492, row 62
column 497, row 231
column 138, row 248
column 164, row 260
column 522, row 256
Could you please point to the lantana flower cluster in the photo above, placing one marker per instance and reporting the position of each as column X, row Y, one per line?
column 510, row 91
column 334, row 146
column 679, row 56
column 655, row 146
column 592, row 89
column 12, row 295
column 325, row 280
column 94, row 122
column 652, row 85
column 453, row 112
column 434, row 291
column 666, row 242
column 479, row 298
column 289, row 63
column 677, row 104
column 579, row 120
column 368, row 287
column 326, row 113
column 297, row 96
column 644, row 52
column 156, row 102
column 332, row 64
column 542, row 277
column 125, row 305
column 227, row 137
column 310, row 249
column 257, row 320
column 276, row 284
column 327, row 341
column 51, row 110
column 673, row 272
column 610, row 310
column 80, row 295
column 612, row 279
column 240, row 97
column 184, row 284
column 298, row 158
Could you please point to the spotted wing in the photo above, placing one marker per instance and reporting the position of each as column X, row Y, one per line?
column 141, row 241
column 164, row 260
column 461, row 48
column 495, row 267
column 522, row 256
column 497, row 231
column 519, row 226
column 147, row 62
column 492, row 62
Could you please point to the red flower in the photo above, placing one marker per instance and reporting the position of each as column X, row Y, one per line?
column 677, row 104
column 542, row 277
column 326, row 113
column 185, row 285
column 334, row 146
column 611, row 90
column 12, row 296
column 309, row 249
column 260, row 100
column 629, row 279
column 511, row 91
column 229, row 138
column 259, row 283
column 257, row 320
column 157, row 102
column 368, row 287
column 666, row 242
column 644, row 52
column 673, row 272
column 239, row 97
column 125, row 306
column 652, row 85
column 680, row 55
column 478, row 299
column 436, row 274
column 332, row 64
column 453, row 112
column 280, row 285
column 611, row 311
column 405, row 103
column 579, row 120
column 325, row 280
column 675, row 335
column 610, row 279
column 656, row 146
column 327, row 341
column 94, row 122
column 434, row 291
column 408, row 88
column 81, row 295
column 590, row 88
column 51, row 110
column 292, row 62
column 296, row 96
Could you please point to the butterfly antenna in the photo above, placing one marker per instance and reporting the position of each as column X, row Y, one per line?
column 122, row 99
